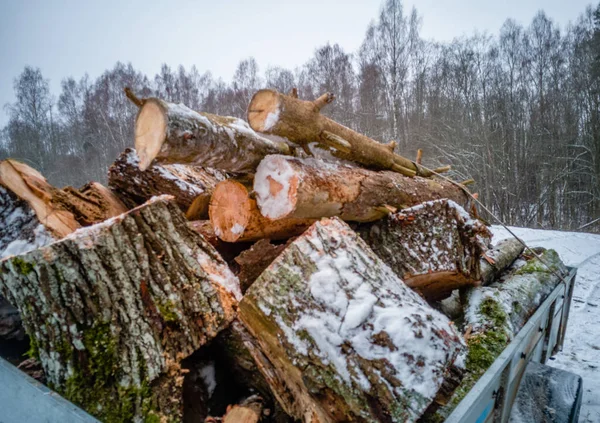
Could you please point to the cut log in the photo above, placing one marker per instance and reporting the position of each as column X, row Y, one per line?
column 112, row 309
column 172, row 133
column 433, row 247
column 494, row 314
column 288, row 187
column 348, row 339
column 34, row 213
column 253, row 261
column 188, row 184
column 499, row 258
column 235, row 216
column 301, row 122
column 249, row 411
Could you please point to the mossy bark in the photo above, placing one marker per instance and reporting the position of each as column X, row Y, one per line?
column 112, row 309
column 433, row 247
column 347, row 338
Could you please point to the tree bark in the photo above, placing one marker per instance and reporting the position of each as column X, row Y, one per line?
column 499, row 258
column 172, row 133
column 288, row 187
column 434, row 247
column 188, row 184
column 112, row 309
column 344, row 334
column 302, row 122
column 235, row 216
column 34, row 213
column 249, row 411
column 253, row 261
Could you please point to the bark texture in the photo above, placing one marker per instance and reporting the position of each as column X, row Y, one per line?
column 235, row 217
column 172, row 133
column 253, row 261
column 185, row 183
column 302, row 122
column 499, row 258
column 434, row 247
column 113, row 308
column 347, row 338
column 309, row 188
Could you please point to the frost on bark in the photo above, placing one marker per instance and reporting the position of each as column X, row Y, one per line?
column 172, row 133
column 498, row 258
column 112, row 309
column 434, row 247
column 350, row 341
column 185, row 183
column 494, row 314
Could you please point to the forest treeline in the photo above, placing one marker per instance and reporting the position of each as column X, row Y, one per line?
column 518, row 111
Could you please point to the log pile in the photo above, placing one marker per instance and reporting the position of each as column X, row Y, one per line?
column 224, row 276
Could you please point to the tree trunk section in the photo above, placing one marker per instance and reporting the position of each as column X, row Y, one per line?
column 112, row 309
column 188, row 184
column 253, row 261
column 499, row 258
column 302, row 122
column 172, row 133
column 343, row 332
column 288, row 187
column 433, row 247
column 235, row 216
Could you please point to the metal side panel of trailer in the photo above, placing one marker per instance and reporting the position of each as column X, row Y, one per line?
column 492, row 397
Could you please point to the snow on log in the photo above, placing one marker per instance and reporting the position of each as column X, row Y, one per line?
column 494, row 314
column 173, row 133
column 433, row 247
column 235, row 216
column 302, row 122
column 310, row 188
column 113, row 308
column 498, row 258
column 185, row 183
column 34, row 213
column 350, row 341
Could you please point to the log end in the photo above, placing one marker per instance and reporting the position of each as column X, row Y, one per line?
column 228, row 222
column 276, row 187
column 150, row 132
column 263, row 110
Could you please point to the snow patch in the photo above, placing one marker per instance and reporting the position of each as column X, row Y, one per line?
column 207, row 373
column 237, row 229
column 277, row 171
column 271, row 120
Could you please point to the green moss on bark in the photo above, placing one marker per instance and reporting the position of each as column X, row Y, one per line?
column 23, row 266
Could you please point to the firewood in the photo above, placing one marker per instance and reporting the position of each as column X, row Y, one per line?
column 35, row 213
column 502, row 255
column 172, row 133
column 289, row 187
column 235, row 216
column 249, row 411
column 188, row 184
column 433, row 247
column 112, row 309
column 302, row 122
column 253, row 261
column 345, row 335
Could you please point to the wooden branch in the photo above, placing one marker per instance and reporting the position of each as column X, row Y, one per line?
column 288, row 187
column 498, row 259
column 190, row 185
column 433, row 247
column 419, row 156
column 133, row 98
column 294, row 92
column 301, row 122
column 235, row 216
column 319, row 324
column 172, row 133
column 118, row 305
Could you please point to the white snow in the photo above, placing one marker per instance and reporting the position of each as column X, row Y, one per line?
column 20, row 246
column 207, row 373
column 271, row 120
column 581, row 351
column 274, row 169
column 237, row 229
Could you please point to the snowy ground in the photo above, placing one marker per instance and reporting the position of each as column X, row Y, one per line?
column 581, row 352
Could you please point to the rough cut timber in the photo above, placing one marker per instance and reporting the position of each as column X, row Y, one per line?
column 173, row 133
column 434, row 247
column 235, row 216
column 34, row 213
column 185, row 183
column 289, row 187
column 253, row 261
column 495, row 313
column 248, row 411
column 302, row 122
column 113, row 308
column 350, row 341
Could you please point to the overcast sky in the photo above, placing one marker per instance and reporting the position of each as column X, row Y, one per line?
column 69, row 38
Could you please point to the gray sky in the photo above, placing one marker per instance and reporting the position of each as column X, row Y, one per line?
column 68, row 38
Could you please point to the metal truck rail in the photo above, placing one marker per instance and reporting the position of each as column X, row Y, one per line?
column 23, row 399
